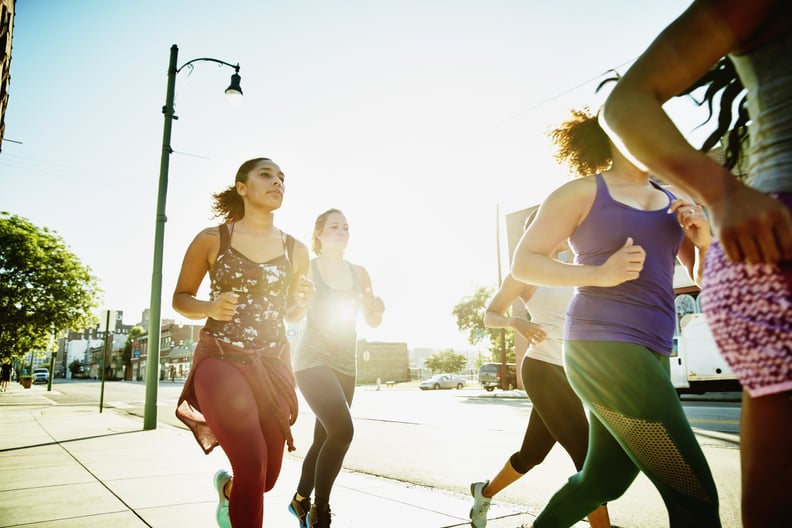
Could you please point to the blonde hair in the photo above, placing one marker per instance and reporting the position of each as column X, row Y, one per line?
column 321, row 220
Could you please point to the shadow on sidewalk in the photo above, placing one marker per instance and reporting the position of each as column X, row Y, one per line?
column 60, row 442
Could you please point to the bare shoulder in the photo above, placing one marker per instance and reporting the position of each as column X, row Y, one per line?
column 211, row 232
column 300, row 249
column 208, row 237
column 578, row 192
column 362, row 273
column 360, row 270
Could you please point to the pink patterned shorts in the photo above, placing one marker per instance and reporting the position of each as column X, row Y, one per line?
column 749, row 309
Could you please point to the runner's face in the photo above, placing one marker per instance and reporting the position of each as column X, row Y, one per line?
column 335, row 233
column 264, row 186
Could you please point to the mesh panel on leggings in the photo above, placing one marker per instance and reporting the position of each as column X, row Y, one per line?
column 650, row 443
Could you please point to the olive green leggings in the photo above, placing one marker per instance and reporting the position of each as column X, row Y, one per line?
column 636, row 424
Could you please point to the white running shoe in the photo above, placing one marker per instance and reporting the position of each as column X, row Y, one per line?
column 478, row 513
column 220, row 480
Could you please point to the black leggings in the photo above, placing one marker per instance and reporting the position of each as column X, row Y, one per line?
column 557, row 416
column 329, row 394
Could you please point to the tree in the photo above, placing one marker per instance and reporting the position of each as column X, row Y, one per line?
column 43, row 287
column 469, row 313
column 126, row 355
column 75, row 367
column 446, row 361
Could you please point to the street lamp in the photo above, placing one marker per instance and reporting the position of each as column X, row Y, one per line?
column 152, row 366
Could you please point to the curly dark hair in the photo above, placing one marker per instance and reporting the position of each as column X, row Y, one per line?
column 723, row 79
column 582, row 144
column 228, row 203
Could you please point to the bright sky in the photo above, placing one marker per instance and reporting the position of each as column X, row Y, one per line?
column 417, row 118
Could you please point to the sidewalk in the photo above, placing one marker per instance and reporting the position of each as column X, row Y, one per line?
column 72, row 467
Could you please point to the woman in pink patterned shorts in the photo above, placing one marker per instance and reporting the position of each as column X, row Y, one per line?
column 747, row 286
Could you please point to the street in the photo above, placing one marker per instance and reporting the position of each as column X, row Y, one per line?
column 447, row 439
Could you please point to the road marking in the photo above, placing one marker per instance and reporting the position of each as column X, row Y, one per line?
column 702, row 420
column 119, row 405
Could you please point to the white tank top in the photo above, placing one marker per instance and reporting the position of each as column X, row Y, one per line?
column 548, row 307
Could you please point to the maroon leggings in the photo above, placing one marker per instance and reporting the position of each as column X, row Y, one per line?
column 254, row 447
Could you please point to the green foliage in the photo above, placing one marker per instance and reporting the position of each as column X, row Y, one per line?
column 75, row 367
column 446, row 361
column 126, row 354
column 469, row 313
column 43, row 287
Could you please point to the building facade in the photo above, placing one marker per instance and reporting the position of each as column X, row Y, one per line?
column 7, row 9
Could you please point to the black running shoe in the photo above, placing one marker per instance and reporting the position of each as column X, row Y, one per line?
column 300, row 510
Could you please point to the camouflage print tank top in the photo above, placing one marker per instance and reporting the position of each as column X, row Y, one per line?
column 262, row 288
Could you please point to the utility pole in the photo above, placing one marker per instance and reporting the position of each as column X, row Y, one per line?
column 504, row 369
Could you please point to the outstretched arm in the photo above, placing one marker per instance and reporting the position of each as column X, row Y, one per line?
column 750, row 225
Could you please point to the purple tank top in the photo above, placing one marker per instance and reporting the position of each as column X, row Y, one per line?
column 640, row 311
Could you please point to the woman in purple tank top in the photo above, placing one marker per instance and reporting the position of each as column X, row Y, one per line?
column 747, row 289
column 626, row 232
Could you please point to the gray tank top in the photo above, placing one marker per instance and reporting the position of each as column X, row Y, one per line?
column 330, row 335
column 767, row 74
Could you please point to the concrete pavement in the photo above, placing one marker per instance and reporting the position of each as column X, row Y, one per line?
column 71, row 466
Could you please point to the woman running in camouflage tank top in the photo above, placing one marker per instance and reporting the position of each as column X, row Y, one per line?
column 240, row 393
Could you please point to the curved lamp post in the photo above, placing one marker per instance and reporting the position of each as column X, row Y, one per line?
column 155, row 323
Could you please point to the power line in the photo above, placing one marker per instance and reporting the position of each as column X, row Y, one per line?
column 568, row 90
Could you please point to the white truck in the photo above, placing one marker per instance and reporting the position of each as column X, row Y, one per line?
column 697, row 365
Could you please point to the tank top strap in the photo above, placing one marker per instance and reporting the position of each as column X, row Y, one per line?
column 317, row 277
column 319, row 281
column 602, row 188
column 288, row 243
column 670, row 195
column 225, row 237
column 355, row 278
column 603, row 193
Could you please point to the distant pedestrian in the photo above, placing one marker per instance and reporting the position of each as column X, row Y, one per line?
column 747, row 287
column 325, row 362
column 626, row 231
column 5, row 375
column 557, row 415
column 240, row 393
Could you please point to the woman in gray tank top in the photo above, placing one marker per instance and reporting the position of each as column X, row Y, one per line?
column 325, row 362
column 747, row 287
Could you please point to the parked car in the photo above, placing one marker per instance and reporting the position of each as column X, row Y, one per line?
column 491, row 376
column 443, row 381
column 40, row 375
